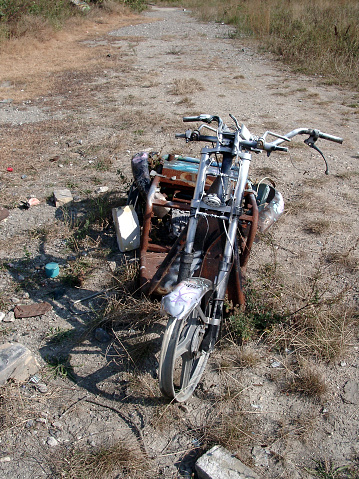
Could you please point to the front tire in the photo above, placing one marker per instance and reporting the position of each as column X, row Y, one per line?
column 182, row 362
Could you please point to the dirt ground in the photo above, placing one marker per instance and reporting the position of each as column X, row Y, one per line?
column 74, row 108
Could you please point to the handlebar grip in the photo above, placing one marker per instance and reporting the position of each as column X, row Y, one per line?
column 336, row 139
column 190, row 118
column 180, row 135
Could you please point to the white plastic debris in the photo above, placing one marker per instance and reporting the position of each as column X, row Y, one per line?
column 127, row 228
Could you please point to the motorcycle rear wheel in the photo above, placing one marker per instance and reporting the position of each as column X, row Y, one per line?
column 182, row 362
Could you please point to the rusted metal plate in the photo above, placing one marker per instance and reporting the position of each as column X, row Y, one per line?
column 150, row 262
column 31, row 310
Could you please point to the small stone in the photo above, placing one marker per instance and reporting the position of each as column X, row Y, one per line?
column 101, row 189
column 42, row 388
column 29, row 423
column 26, row 295
column 5, row 459
column 102, row 335
column 41, row 420
column 112, row 265
column 10, row 317
column 276, row 364
column 21, row 277
column 23, row 177
column 35, row 379
column 62, row 196
column 183, row 408
column 51, row 441
column 343, row 364
column 15, row 300
column 2, row 316
column 351, row 392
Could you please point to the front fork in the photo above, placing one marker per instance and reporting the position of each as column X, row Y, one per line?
column 226, row 263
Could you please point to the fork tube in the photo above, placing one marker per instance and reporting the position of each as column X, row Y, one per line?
column 198, row 193
column 226, row 263
column 187, row 253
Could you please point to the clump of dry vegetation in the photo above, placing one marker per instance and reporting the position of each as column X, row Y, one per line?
column 185, row 86
column 35, row 17
column 14, row 409
column 295, row 30
column 317, row 227
column 308, row 382
column 120, row 458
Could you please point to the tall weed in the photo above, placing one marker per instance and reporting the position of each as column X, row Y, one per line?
column 320, row 38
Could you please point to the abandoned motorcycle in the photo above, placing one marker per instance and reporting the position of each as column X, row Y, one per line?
column 199, row 218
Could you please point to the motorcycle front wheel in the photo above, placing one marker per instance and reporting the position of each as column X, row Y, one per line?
column 182, row 362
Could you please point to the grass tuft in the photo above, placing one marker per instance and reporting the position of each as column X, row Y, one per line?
column 307, row 382
column 117, row 460
column 186, row 86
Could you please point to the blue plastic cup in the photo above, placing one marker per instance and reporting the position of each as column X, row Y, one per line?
column 52, row 270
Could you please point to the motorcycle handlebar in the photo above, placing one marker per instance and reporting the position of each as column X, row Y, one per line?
column 325, row 136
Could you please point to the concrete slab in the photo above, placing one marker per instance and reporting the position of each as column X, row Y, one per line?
column 220, row 463
column 16, row 362
column 62, row 196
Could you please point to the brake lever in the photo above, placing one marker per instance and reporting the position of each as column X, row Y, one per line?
column 311, row 143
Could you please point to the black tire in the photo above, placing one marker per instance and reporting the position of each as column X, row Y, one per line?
column 182, row 362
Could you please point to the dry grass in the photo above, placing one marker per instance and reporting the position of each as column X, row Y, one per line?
column 132, row 313
column 325, row 331
column 317, row 227
column 117, row 460
column 15, row 408
column 186, row 86
column 229, row 425
column 294, row 30
column 308, row 382
column 54, row 52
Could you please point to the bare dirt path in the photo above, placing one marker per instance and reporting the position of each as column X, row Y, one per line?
column 72, row 113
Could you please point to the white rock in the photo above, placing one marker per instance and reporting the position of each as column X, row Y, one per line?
column 276, row 364
column 41, row 420
column 101, row 189
column 2, row 316
column 51, row 441
column 41, row 387
column 5, row 459
column 62, row 196
column 10, row 317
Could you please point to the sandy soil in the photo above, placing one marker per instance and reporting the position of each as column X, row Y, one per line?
column 73, row 110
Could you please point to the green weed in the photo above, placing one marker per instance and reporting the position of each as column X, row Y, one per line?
column 59, row 335
column 326, row 470
column 257, row 317
column 60, row 367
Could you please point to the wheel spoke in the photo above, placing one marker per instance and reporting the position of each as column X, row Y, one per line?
column 187, row 367
column 184, row 343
